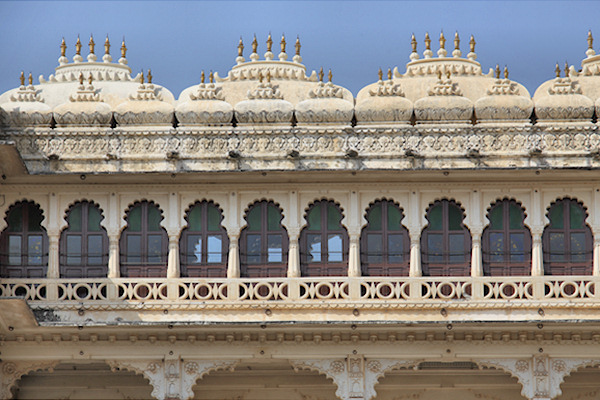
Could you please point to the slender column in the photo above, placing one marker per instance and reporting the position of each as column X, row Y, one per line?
column 293, row 255
column 476, row 261
column 596, row 254
column 537, row 257
column 354, row 255
column 415, row 254
column 173, row 260
column 233, row 264
column 53, row 256
column 114, row 270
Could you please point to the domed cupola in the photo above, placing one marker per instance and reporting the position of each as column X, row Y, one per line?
column 84, row 108
column 145, row 107
column 265, row 105
column 206, row 106
column 563, row 102
column 385, row 105
column 25, row 108
column 503, row 103
column 326, row 105
column 445, row 104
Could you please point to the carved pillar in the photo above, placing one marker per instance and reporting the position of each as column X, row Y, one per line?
column 415, row 254
column 114, row 270
column 596, row 265
column 53, row 256
column 293, row 254
column 537, row 255
column 11, row 372
column 173, row 260
column 354, row 255
column 476, row 261
column 233, row 263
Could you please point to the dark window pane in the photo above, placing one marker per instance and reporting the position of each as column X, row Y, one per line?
column 34, row 249
column 556, row 216
column 35, row 219
column 577, row 216
column 454, row 218
column 578, row 250
column 557, row 247
column 253, row 218
column 395, row 248
column 273, row 218
column 94, row 250
column 195, row 219
column 154, row 248
column 314, row 247
column 215, row 249
column 496, row 217
column 75, row 219
column 435, row 218
column 15, row 219
column 374, row 248
column 253, row 248
column 134, row 248
column 334, row 248
column 14, row 250
column 153, row 219
column 517, row 247
column 134, row 220
column 274, row 248
column 314, row 218
column 333, row 218
column 515, row 215
column 194, row 249
column 94, row 219
column 374, row 218
column 457, row 248
column 74, row 250
column 214, row 218
column 496, row 247
column 435, row 248
column 394, row 218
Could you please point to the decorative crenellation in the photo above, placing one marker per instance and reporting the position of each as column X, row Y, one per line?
column 265, row 90
column 445, row 87
column 85, row 93
column 145, row 92
column 564, row 86
column 208, row 91
column 26, row 93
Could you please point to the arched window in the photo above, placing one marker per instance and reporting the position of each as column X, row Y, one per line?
column 445, row 241
column 203, row 243
column 567, row 241
column 384, row 242
column 264, row 242
column 324, row 241
column 506, row 241
column 144, row 243
column 24, row 243
column 84, row 243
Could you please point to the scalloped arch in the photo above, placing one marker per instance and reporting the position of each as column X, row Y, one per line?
column 382, row 199
column 269, row 201
column 23, row 201
column 190, row 206
column 130, row 206
column 326, row 200
column 583, row 206
column 450, row 200
column 500, row 199
column 81, row 201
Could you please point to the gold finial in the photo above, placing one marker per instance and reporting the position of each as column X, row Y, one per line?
column 566, row 69
column 413, row 43
column 211, row 77
column 557, row 70
column 268, row 76
column 298, row 45
column 260, row 77
column 472, row 44
column 142, row 77
column 456, row 41
column 448, row 74
column 90, row 78
column 590, row 40
column 330, row 76
column 380, row 74
column 149, row 76
column 92, row 44
column 439, row 74
column 63, row 48
column 497, row 71
column 321, row 75
column 202, row 77
column 390, row 74
column 81, row 78
column 427, row 41
column 269, row 42
column 283, row 43
column 123, row 48
column 107, row 46
column 22, row 78
column 442, row 40
column 505, row 72
column 30, row 79
column 254, row 45
column 240, row 48
column 78, row 46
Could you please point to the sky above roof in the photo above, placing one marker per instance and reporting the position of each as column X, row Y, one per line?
column 352, row 38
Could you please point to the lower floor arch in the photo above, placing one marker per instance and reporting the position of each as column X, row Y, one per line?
column 270, row 379
column 581, row 384
column 82, row 381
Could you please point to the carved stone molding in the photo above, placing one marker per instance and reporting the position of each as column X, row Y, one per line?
column 11, row 372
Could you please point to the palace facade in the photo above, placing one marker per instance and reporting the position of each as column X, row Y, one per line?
column 267, row 235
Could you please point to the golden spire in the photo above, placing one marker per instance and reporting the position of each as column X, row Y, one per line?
column 30, row 79
column 240, row 48
column 298, row 45
column 269, row 74
column 90, row 78
column 149, row 76
column 590, row 40
column 448, row 74
column 22, row 78
column 330, row 76
column 211, row 77
column 106, row 46
column 321, row 75
column 472, row 44
column 439, row 74
column 81, row 78
column 202, row 77
column 269, row 42
column 566, row 69
column 260, row 77
column 63, row 48
column 390, row 74
column 557, row 70
column 442, row 40
column 282, row 43
column 505, row 72
column 254, row 45
column 380, row 74
column 123, row 48
column 427, row 41
column 497, row 71
column 413, row 43
column 92, row 44
column 456, row 41
column 142, row 77
column 78, row 46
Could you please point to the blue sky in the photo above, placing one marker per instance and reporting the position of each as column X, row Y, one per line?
column 353, row 38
